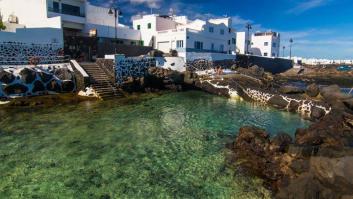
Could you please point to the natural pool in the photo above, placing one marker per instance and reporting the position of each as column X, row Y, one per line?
column 167, row 146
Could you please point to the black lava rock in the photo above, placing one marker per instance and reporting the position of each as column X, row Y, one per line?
column 6, row 77
column 68, row 86
column 54, row 86
column 46, row 77
column 38, row 86
column 15, row 89
column 28, row 75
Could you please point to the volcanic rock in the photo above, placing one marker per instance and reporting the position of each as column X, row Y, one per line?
column 63, row 74
column 15, row 89
column 312, row 90
column 68, row 86
column 28, row 75
column 54, row 86
column 46, row 77
column 38, row 86
column 290, row 90
column 6, row 77
column 278, row 102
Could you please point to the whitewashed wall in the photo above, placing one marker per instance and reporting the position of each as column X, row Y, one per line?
column 191, row 56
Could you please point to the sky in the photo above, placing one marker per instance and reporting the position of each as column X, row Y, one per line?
column 319, row 28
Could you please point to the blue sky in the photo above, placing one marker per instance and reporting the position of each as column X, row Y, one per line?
column 320, row 28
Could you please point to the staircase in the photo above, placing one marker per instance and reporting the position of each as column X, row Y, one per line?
column 100, row 81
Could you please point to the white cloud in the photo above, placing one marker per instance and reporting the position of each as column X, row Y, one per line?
column 307, row 5
column 150, row 3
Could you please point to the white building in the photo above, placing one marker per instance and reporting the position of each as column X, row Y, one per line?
column 266, row 44
column 72, row 17
column 214, row 39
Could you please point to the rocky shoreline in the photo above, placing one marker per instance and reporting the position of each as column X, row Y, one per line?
column 317, row 162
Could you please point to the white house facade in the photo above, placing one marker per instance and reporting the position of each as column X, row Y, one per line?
column 72, row 17
column 215, row 38
column 266, row 44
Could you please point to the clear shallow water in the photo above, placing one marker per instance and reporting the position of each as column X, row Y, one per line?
column 169, row 146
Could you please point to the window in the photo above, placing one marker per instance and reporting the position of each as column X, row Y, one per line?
column 222, row 31
column 230, row 30
column 138, row 27
column 211, row 29
column 228, row 42
column 265, row 54
column 234, row 41
column 266, row 44
column 149, row 25
column 180, row 44
column 133, row 43
column 198, row 45
column 56, row 6
column 273, row 55
column 212, row 46
column 221, row 48
column 142, row 43
column 70, row 10
column 230, row 52
column 274, row 45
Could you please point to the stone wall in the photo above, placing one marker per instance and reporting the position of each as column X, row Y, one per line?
column 132, row 67
column 203, row 64
column 15, row 53
column 21, row 81
column 273, row 65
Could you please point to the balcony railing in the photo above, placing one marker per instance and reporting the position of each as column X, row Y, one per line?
column 66, row 12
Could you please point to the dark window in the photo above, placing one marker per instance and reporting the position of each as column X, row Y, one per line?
column 56, row 6
column 149, row 25
column 212, row 46
column 221, row 48
column 230, row 30
column 265, row 54
column 234, row 41
column 142, row 43
column 180, row 44
column 138, row 27
column 266, row 44
column 211, row 29
column 70, row 10
column 198, row 45
column 222, row 31
column 273, row 55
column 133, row 43
column 228, row 42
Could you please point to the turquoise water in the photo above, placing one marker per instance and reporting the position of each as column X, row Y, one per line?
column 168, row 146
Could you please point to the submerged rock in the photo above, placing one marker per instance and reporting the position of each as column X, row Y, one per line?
column 290, row 90
column 277, row 101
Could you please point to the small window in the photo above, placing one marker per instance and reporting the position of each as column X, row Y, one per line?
column 221, row 48
column 212, row 46
column 233, row 41
column 180, row 44
column 265, row 54
column 230, row 52
column 149, row 25
column 211, row 29
column 274, row 45
column 56, row 6
column 198, row 45
column 228, row 42
column 138, row 27
column 230, row 30
column 142, row 43
column 133, row 43
column 266, row 44
column 222, row 31
column 273, row 55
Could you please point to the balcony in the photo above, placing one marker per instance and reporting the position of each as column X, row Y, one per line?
column 66, row 12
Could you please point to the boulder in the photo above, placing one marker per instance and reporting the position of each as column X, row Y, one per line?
column 38, row 86
column 54, row 86
column 63, row 74
column 45, row 77
column 6, row 77
column 281, row 142
column 293, row 106
column 28, row 75
column 312, row 90
column 15, row 89
column 317, row 113
column 290, row 90
column 333, row 92
column 68, row 86
column 277, row 101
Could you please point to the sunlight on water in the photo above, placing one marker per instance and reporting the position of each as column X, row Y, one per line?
column 169, row 146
